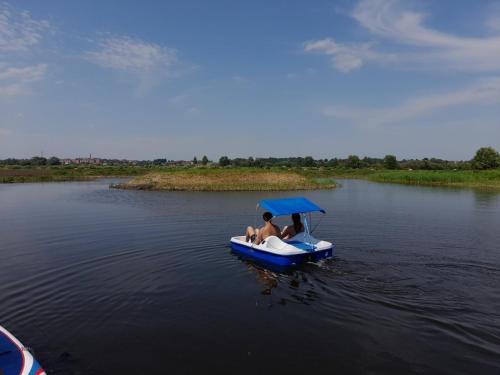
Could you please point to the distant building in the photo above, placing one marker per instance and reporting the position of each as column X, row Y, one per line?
column 117, row 162
column 85, row 161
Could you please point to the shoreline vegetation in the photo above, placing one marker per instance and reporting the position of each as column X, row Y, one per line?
column 484, row 179
column 58, row 173
column 239, row 174
column 216, row 178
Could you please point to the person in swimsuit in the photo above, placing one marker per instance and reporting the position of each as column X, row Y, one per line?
column 291, row 230
column 256, row 235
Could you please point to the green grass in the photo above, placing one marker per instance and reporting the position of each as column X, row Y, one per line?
column 18, row 174
column 485, row 179
column 227, row 179
column 488, row 179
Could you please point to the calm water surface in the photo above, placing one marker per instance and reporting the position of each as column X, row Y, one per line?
column 103, row 281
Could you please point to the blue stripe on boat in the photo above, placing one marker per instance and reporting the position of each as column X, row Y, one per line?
column 35, row 368
column 11, row 357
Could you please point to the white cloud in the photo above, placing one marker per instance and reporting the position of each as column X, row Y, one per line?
column 423, row 46
column 147, row 64
column 19, row 33
column 486, row 91
column 25, row 74
column 18, row 30
column 15, row 81
column 133, row 55
column 346, row 57
column 386, row 18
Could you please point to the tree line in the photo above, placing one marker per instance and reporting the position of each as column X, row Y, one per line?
column 485, row 158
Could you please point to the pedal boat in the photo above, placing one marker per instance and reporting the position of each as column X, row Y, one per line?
column 301, row 248
column 15, row 358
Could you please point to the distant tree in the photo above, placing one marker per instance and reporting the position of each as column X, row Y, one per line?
column 425, row 164
column 11, row 161
column 159, row 161
column 333, row 162
column 390, row 162
column 353, row 162
column 224, row 161
column 251, row 162
column 204, row 160
column 309, row 161
column 38, row 160
column 486, row 158
column 54, row 161
column 195, row 161
column 239, row 162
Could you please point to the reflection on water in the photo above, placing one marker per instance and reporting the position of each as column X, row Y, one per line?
column 104, row 281
column 487, row 199
column 267, row 278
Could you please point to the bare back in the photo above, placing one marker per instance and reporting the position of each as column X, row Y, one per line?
column 268, row 230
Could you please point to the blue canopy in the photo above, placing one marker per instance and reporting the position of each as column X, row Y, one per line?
column 288, row 206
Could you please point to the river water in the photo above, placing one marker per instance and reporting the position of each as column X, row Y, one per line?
column 101, row 281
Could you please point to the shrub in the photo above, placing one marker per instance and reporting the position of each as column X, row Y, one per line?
column 486, row 158
column 353, row 162
column 390, row 162
column 224, row 161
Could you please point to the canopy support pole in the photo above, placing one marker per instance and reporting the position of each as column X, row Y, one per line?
column 307, row 237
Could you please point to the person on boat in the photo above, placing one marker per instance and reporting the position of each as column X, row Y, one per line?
column 257, row 235
column 291, row 230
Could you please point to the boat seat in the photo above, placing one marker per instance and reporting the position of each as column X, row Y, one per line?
column 274, row 243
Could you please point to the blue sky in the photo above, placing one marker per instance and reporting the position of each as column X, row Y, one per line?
column 150, row 79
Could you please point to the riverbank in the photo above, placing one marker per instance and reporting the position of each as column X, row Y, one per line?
column 476, row 179
column 66, row 173
column 248, row 178
column 227, row 179
column 488, row 179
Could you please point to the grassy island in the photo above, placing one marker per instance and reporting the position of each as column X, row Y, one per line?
column 227, row 179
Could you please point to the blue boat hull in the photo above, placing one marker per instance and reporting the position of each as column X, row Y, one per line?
column 14, row 358
column 281, row 260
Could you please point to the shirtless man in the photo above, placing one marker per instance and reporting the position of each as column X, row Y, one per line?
column 269, row 229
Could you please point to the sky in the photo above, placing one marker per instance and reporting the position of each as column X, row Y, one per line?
column 177, row 79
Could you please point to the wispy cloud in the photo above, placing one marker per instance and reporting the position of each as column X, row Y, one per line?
column 19, row 33
column 423, row 46
column 15, row 81
column 18, row 30
column 186, row 101
column 486, row 91
column 148, row 62
column 133, row 55
column 24, row 74
column 346, row 57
